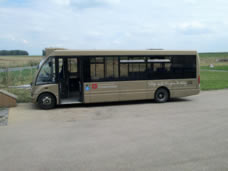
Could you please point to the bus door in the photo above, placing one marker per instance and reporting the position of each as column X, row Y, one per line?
column 70, row 90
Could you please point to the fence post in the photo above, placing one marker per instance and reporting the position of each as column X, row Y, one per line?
column 7, row 77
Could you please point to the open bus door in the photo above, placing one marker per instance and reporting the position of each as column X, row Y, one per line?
column 70, row 83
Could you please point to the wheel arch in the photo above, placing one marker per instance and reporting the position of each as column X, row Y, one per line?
column 47, row 92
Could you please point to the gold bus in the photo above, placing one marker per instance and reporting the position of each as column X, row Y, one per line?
column 75, row 76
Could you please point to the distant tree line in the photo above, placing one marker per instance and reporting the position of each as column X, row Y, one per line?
column 13, row 52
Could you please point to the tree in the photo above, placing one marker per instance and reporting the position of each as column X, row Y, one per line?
column 13, row 52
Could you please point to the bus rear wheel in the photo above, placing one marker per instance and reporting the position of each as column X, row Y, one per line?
column 161, row 95
column 46, row 101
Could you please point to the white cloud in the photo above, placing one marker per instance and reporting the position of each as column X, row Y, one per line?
column 95, row 34
column 110, row 1
column 82, row 4
column 191, row 25
column 11, row 37
column 193, row 2
column 62, row 2
column 8, row 37
column 94, row 3
column 192, row 28
column 25, row 41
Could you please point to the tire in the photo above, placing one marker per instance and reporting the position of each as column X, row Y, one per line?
column 46, row 101
column 161, row 95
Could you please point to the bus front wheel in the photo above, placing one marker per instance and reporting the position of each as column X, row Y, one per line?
column 46, row 101
column 161, row 95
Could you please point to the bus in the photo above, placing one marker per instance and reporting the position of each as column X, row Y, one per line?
column 94, row 76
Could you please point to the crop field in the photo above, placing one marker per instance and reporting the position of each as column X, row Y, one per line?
column 21, row 77
column 213, row 58
column 19, row 61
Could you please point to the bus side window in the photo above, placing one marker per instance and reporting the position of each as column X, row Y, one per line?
column 73, row 65
column 124, row 68
column 97, row 68
column 111, row 68
column 137, row 68
column 86, row 69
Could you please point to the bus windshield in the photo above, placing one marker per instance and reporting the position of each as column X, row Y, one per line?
column 41, row 63
column 47, row 72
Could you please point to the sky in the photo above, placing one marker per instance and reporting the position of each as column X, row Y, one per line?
column 33, row 25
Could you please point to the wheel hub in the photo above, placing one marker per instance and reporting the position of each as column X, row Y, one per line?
column 161, row 95
column 46, row 100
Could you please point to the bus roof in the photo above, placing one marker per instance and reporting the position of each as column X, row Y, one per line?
column 118, row 52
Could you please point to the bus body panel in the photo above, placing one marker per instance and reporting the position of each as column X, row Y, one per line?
column 48, row 88
column 119, row 52
column 132, row 90
column 137, row 90
column 184, row 93
column 101, row 92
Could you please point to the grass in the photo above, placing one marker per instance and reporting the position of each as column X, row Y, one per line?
column 214, row 55
column 220, row 67
column 19, row 61
column 211, row 58
column 213, row 80
column 24, row 95
column 14, row 78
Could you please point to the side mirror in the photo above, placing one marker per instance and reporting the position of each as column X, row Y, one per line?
column 50, row 64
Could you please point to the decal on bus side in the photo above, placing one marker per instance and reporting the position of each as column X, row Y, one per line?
column 89, row 87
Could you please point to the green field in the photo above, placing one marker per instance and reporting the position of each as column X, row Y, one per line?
column 15, row 78
column 211, row 80
column 216, row 77
column 23, row 95
column 214, row 55
column 211, row 58
column 219, row 68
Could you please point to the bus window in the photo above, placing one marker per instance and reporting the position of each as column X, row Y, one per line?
column 123, row 68
column 137, row 67
column 171, row 67
column 159, row 67
column 116, row 67
column 184, row 67
column 111, row 68
column 97, row 68
column 132, row 68
column 47, row 72
column 72, row 65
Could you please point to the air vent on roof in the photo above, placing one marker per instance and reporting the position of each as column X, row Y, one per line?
column 155, row 49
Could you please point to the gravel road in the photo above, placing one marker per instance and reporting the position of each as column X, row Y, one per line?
column 3, row 117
